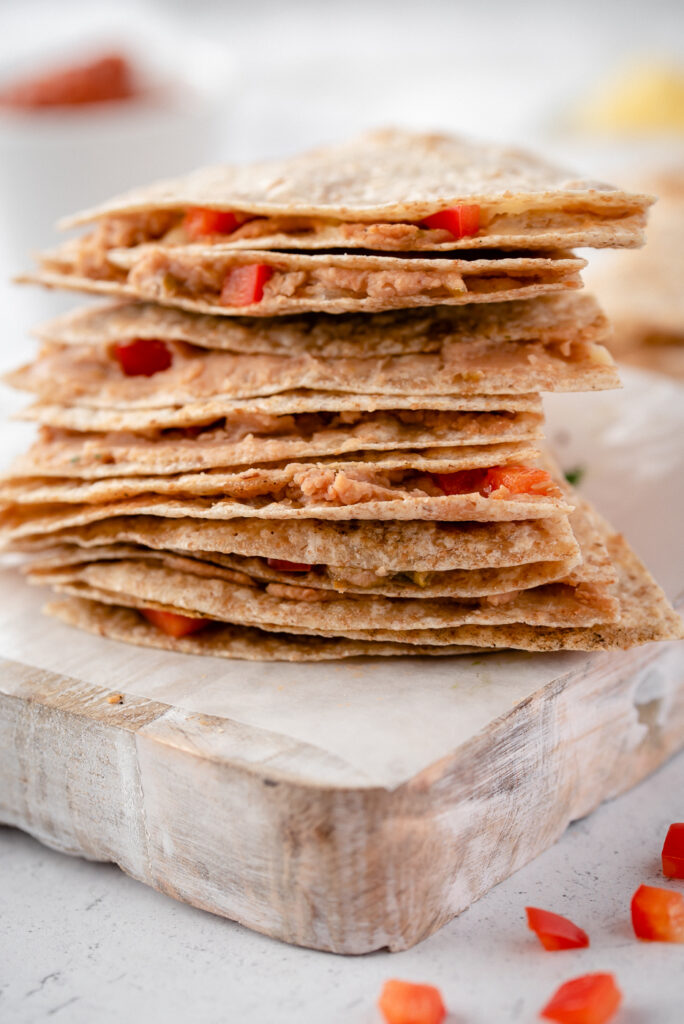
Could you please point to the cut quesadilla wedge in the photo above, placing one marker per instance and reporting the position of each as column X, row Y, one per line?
column 645, row 616
column 295, row 403
column 208, row 279
column 378, row 550
column 118, row 369
column 305, row 582
column 249, row 644
column 28, row 516
column 389, row 190
column 554, row 320
column 586, row 566
column 145, row 584
column 254, row 440
column 484, row 483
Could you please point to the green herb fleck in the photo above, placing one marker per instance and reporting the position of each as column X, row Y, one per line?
column 576, row 475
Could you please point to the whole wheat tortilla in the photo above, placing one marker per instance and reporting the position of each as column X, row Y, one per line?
column 333, row 489
column 225, row 641
column 645, row 616
column 21, row 520
column 254, row 440
column 404, row 176
column 323, row 579
column 383, row 546
column 86, row 418
column 331, row 282
column 144, row 584
column 89, row 374
column 587, row 565
column 553, row 320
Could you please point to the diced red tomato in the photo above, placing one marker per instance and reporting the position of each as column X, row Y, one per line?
column 244, row 286
column 143, row 357
column 107, row 78
column 460, row 221
column 591, row 999
column 658, row 914
column 465, row 481
column 517, row 480
column 555, row 932
column 172, row 623
column 403, row 1002
column 673, row 851
column 282, row 565
column 200, row 221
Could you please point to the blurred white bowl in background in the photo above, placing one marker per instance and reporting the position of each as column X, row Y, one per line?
column 55, row 161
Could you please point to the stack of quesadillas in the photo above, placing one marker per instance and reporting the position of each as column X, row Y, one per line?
column 309, row 425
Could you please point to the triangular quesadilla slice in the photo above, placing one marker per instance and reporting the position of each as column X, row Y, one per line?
column 388, row 190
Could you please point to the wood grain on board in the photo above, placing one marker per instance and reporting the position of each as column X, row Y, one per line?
column 228, row 817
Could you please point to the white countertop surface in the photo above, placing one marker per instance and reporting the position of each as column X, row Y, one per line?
column 83, row 943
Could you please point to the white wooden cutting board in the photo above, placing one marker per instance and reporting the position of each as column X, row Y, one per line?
column 353, row 805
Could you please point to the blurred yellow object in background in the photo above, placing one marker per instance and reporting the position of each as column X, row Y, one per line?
column 647, row 98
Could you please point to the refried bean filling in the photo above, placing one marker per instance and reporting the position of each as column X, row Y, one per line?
column 302, row 425
column 88, row 256
column 160, row 272
column 167, row 227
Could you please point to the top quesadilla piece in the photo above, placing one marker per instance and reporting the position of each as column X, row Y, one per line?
column 213, row 279
column 390, row 190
